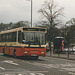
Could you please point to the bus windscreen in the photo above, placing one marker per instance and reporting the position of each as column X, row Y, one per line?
column 33, row 38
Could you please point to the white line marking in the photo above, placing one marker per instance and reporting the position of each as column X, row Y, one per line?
column 38, row 71
column 11, row 62
column 40, row 74
column 70, row 67
column 1, row 53
column 25, row 72
column 71, row 73
column 19, row 74
column 32, row 73
column 2, row 68
column 8, row 74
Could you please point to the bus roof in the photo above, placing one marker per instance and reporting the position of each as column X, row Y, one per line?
column 25, row 29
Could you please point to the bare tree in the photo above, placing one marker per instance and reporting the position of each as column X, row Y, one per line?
column 70, row 31
column 43, row 24
column 51, row 12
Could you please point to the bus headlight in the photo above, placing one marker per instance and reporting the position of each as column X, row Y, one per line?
column 42, row 52
column 26, row 52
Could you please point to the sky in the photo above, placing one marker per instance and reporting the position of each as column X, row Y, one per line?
column 20, row 10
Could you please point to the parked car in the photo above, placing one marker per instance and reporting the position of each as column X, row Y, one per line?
column 70, row 50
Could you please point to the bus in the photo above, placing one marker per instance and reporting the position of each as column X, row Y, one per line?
column 23, row 41
column 58, row 44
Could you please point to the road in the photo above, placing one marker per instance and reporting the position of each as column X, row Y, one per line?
column 42, row 66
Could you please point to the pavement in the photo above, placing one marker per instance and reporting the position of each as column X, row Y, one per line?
column 64, row 56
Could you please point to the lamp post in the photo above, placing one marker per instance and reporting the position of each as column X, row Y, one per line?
column 31, row 11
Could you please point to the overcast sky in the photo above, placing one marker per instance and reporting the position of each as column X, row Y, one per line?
column 19, row 10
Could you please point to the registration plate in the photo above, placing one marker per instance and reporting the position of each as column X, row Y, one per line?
column 33, row 54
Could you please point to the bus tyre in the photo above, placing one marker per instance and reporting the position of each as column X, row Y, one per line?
column 3, row 51
column 14, row 54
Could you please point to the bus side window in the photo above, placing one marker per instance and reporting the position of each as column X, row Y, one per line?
column 6, row 37
column 23, row 38
column 0, row 37
column 19, row 36
column 3, row 38
column 9, row 37
column 13, row 36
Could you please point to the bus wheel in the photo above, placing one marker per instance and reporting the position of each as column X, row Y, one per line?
column 3, row 51
column 14, row 54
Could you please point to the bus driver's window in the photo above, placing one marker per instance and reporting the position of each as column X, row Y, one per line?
column 23, row 38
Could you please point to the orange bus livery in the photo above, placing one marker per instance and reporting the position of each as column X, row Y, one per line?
column 23, row 41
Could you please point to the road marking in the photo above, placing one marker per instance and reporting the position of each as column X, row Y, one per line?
column 71, row 73
column 1, row 53
column 19, row 74
column 11, row 62
column 26, row 73
column 32, row 73
column 40, row 74
column 37, row 74
column 41, row 65
column 8, row 74
column 69, row 67
column 38, row 71
column 2, row 68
